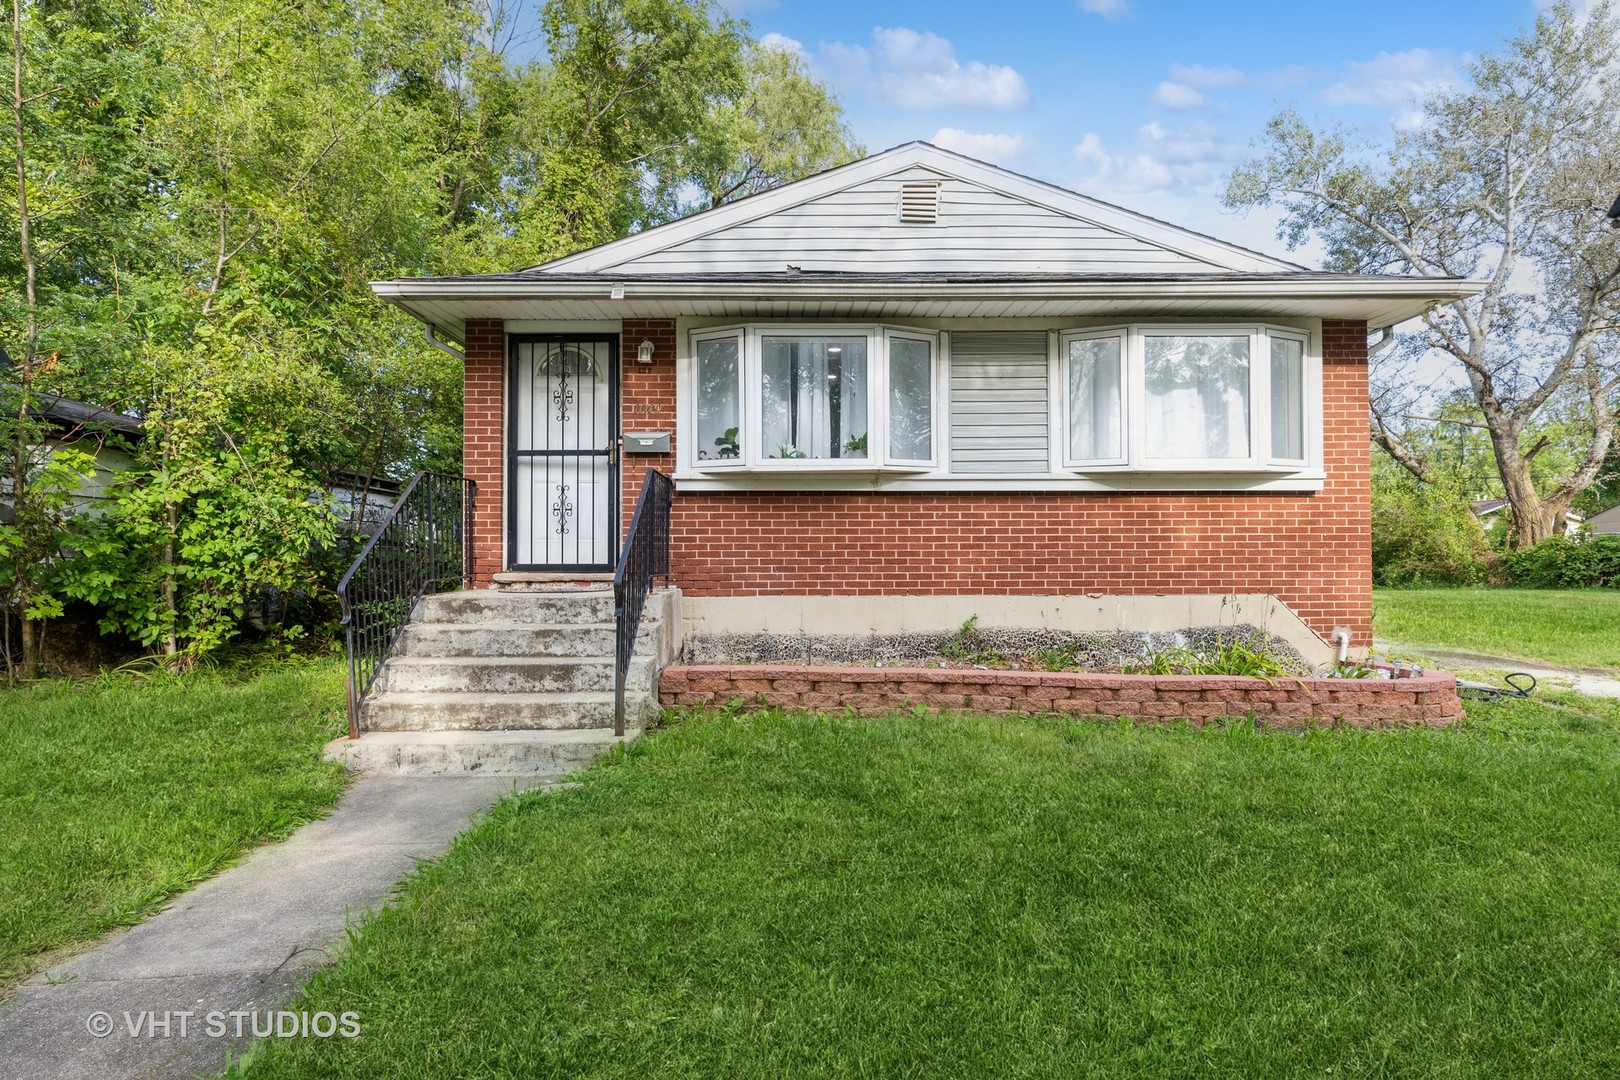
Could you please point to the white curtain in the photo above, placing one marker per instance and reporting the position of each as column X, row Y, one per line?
column 813, row 396
column 1287, row 399
column 1197, row 397
column 1095, row 414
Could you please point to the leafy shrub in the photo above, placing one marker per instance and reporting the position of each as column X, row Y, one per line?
column 1228, row 656
column 1425, row 535
column 1559, row 562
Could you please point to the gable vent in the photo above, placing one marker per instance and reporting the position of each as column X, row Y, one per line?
column 919, row 202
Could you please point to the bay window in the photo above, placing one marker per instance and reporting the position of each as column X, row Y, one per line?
column 1164, row 399
column 1175, row 398
column 828, row 399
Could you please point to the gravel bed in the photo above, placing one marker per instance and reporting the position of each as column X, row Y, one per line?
column 1008, row 648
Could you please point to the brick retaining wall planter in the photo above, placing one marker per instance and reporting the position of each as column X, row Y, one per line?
column 1427, row 699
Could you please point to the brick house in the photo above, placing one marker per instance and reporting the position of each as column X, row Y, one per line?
column 921, row 387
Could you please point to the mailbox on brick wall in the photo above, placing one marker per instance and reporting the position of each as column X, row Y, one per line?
column 646, row 442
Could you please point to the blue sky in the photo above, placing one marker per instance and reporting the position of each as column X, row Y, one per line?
column 1145, row 103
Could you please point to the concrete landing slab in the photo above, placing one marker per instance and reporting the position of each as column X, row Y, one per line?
column 171, row 996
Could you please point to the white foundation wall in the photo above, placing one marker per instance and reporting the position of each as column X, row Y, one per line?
column 869, row 615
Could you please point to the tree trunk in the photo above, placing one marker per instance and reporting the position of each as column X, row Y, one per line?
column 1534, row 518
column 31, row 640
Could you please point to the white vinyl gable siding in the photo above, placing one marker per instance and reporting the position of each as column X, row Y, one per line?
column 858, row 230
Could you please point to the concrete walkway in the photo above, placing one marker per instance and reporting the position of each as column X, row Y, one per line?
column 240, row 943
column 1596, row 682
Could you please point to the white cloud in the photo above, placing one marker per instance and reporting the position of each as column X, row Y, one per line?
column 988, row 146
column 1207, row 78
column 1183, row 159
column 782, row 42
column 1108, row 9
column 1174, row 95
column 1393, row 79
column 919, row 70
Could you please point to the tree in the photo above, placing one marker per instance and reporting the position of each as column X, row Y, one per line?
column 783, row 126
column 1508, row 180
column 206, row 188
column 79, row 88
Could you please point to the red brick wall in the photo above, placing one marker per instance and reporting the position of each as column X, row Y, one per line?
column 647, row 403
column 1312, row 550
column 483, row 441
column 1427, row 699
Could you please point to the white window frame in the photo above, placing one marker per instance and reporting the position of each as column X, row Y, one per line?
column 739, row 334
column 1259, row 390
column 936, row 377
column 752, row 458
column 1060, row 390
column 1310, row 386
column 1134, row 389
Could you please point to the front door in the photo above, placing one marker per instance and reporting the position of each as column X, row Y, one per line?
column 563, row 474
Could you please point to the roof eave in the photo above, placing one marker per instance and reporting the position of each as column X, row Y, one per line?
column 1395, row 299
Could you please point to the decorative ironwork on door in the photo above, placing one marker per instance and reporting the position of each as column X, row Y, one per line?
column 563, row 467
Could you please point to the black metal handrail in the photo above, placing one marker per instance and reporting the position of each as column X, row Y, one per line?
column 645, row 556
column 423, row 545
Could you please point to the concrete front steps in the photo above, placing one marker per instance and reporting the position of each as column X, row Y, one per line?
column 507, row 682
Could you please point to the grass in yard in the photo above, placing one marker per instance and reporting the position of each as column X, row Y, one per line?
column 115, row 793
column 1579, row 627
column 787, row 895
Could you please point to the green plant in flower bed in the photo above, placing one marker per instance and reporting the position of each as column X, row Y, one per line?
column 968, row 645
column 1055, row 658
column 1228, row 656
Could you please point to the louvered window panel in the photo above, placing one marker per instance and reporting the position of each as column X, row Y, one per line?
column 919, row 202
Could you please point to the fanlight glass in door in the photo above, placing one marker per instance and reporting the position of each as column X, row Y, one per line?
column 563, row 502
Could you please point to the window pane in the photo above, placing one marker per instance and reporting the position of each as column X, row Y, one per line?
column 1197, row 397
column 813, row 395
column 1287, row 399
column 1095, row 411
column 911, row 399
column 718, row 411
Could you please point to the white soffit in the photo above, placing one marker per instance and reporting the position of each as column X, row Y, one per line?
column 447, row 303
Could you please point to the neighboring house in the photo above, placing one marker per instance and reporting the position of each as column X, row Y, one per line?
column 1607, row 522
column 362, row 501
column 111, row 438
column 107, row 436
column 920, row 387
column 1489, row 511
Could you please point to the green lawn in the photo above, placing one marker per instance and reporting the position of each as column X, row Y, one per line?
column 789, row 896
column 1579, row 627
column 115, row 794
